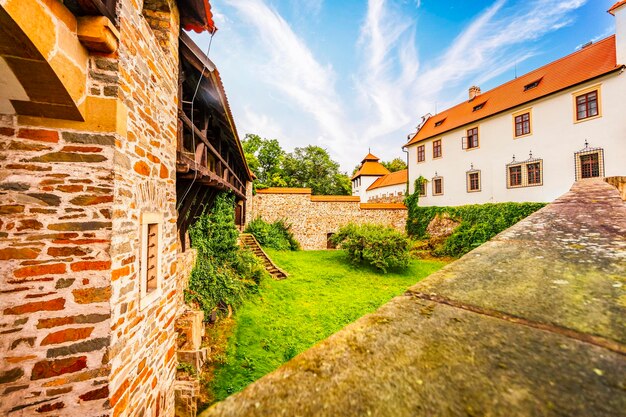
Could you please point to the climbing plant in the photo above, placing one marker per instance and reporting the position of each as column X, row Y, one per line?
column 224, row 273
column 477, row 222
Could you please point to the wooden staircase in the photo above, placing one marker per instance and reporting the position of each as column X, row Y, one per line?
column 249, row 241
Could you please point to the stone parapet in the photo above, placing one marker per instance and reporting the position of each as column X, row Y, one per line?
column 532, row 323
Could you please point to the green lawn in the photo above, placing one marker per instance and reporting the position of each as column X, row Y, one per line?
column 323, row 293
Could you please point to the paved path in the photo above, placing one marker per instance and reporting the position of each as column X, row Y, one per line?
column 533, row 323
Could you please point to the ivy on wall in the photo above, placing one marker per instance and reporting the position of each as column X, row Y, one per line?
column 478, row 222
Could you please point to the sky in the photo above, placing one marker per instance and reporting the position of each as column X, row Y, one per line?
column 354, row 75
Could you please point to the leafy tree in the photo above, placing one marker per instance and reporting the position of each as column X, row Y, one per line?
column 265, row 157
column 312, row 167
column 397, row 164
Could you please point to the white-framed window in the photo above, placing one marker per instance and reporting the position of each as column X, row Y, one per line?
column 437, row 185
column 473, row 181
column 151, row 240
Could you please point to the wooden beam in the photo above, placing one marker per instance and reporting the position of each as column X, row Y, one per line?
column 214, row 151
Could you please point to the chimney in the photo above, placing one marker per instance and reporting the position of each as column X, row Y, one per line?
column 619, row 11
column 474, row 91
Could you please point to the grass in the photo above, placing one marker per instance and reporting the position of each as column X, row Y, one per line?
column 322, row 294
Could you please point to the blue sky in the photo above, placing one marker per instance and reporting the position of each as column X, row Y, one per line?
column 350, row 75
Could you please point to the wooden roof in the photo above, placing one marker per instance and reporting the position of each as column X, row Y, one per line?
column 583, row 65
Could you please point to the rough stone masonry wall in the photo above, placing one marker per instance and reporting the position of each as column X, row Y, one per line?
column 56, row 190
column 311, row 219
column 143, row 340
column 72, row 336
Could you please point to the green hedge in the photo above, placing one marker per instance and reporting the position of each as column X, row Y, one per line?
column 275, row 235
column 224, row 273
column 478, row 222
column 379, row 246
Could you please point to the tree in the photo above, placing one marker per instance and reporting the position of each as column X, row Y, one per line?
column 394, row 165
column 265, row 157
column 312, row 167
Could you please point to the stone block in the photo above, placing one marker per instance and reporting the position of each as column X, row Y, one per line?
column 190, row 329
column 98, row 34
column 195, row 358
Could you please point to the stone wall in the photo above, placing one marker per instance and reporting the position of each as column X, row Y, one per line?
column 74, row 338
column 312, row 218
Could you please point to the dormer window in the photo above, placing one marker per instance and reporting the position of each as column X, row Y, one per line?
column 479, row 106
column 532, row 85
column 439, row 123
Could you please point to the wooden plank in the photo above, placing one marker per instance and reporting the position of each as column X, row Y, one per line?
column 214, row 151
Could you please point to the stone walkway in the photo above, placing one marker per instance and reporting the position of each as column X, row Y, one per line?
column 533, row 323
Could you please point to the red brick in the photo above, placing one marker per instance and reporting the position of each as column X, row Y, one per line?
column 67, row 335
column 92, row 295
column 96, row 394
column 50, row 305
column 50, row 407
column 70, row 188
column 29, row 224
column 164, row 173
column 50, row 369
column 7, row 131
column 40, row 135
column 18, row 253
column 90, row 266
column 120, row 272
column 142, row 168
column 31, row 271
column 66, row 251
column 117, row 395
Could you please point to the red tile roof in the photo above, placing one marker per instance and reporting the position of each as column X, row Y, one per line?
column 583, row 65
column 395, row 178
column 616, row 5
column 371, row 166
column 196, row 15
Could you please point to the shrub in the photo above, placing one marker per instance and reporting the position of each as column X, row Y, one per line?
column 379, row 246
column 478, row 222
column 275, row 235
column 224, row 273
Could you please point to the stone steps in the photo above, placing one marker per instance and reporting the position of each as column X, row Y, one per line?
column 248, row 241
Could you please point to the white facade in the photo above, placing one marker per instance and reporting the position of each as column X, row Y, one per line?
column 554, row 139
column 360, row 185
column 386, row 191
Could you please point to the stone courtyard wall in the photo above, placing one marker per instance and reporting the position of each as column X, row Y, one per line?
column 312, row 218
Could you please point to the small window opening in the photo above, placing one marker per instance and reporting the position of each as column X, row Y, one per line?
column 439, row 123
column 152, row 257
column 532, row 85
column 478, row 106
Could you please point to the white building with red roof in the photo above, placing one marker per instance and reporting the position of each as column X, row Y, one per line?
column 374, row 183
column 532, row 137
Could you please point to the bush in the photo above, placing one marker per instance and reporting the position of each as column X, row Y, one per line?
column 379, row 246
column 275, row 235
column 224, row 273
column 478, row 222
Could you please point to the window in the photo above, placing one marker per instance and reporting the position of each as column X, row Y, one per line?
column 587, row 105
column 589, row 165
column 421, row 153
column 439, row 123
column 532, row 85
column 473, row 181
column 422, row 188
column 522, row 124
column 478, row 107
column 525, row 174
column 437, row 149
column 515, row 176
column 150, row 258
column 438, row 186
column 533, row 173
column 471, row 141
